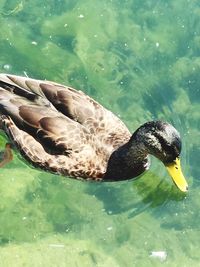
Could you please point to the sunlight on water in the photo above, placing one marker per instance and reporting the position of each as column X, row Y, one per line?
column 141, row 59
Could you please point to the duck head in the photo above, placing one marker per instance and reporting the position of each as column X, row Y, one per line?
column 163, row 141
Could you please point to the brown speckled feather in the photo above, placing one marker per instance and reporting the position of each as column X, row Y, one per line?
column 59, row 128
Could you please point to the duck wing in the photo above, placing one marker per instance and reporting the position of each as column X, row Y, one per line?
column 73, row 104
column 57, row 133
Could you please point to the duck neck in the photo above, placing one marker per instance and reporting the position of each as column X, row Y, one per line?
column 127, row 162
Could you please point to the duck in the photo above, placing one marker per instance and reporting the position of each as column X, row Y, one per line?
column 62, row 130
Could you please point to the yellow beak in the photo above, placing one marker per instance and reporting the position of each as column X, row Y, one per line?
column 175, row 172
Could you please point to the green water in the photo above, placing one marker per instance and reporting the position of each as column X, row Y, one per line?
column 141, row 59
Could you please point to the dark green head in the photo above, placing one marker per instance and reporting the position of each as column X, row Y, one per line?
column 163, row 141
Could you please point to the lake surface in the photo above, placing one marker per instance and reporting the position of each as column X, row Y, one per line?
column 141, row 59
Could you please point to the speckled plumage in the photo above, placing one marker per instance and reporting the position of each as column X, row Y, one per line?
column 58, row 128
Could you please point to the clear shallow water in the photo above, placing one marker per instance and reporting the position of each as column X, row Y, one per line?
column 142, row 61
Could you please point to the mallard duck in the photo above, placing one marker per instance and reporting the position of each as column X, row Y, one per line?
column 62, row 130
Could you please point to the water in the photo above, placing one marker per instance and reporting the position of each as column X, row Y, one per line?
column 141, row 59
